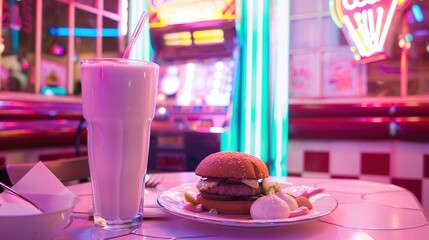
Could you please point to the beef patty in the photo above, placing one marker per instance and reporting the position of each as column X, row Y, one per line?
column 226, row 189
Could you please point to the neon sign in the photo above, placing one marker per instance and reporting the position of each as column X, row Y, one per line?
column 366, row 24
column 170, row 12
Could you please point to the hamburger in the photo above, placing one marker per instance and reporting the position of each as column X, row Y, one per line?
column 230, row 182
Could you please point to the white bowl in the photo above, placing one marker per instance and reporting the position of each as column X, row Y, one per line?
column 36, row 226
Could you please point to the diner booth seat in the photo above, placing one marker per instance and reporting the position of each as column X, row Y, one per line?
column 68, row 170
column 37, row 128
column 370, row 140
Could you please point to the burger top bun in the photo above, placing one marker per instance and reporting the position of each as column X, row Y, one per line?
column 232, row 165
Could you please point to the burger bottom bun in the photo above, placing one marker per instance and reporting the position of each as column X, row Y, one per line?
column 228, row 207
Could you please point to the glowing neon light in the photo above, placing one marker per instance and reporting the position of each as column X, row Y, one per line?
column 366, row 23
column 124, row 18
column 83, row 32
column 417, row 12
column 142, row 48
column 386, row 26
column 280, row 88
column 355, row 36
column 357, row 4
column 259, row 73
column 165, row 13
column 248, row 95
column 162, row 110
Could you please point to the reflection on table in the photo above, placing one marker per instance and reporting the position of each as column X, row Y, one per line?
column 366, row 210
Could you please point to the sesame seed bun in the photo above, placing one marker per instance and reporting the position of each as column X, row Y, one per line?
column 236, row 165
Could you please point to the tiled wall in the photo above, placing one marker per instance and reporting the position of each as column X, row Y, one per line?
column 405, row 164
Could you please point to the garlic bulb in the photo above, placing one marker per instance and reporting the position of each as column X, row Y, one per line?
column 290, row 200
column 269, row 207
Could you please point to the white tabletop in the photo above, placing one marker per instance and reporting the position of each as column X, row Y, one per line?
column 366, row 210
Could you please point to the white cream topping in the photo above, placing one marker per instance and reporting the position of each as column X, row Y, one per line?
column 269, row 207
column 293, row 205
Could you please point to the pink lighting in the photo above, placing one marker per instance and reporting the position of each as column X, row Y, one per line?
column 57, row 49
column 366, row 24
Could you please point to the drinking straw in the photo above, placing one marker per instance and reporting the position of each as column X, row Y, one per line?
column 136, row 33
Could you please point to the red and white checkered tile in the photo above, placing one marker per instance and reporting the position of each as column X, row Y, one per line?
column 405, row 164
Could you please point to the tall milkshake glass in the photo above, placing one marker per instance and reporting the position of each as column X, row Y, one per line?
column 118, row 98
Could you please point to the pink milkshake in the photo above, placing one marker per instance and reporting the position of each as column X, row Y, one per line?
column 119, row 97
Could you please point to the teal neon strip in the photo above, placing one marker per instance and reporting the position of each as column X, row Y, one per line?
column 142, row 48
column 230, row 139
column 254, row 131
column 248, row 78
column 258, row 81
column 280, row 89
column 83, row 32
column 265, row 72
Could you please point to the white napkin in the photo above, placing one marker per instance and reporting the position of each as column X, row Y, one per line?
column 42, row 187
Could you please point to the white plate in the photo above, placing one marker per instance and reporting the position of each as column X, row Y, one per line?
column 172, row 201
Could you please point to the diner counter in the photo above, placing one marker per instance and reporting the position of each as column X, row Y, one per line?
column 366, row 210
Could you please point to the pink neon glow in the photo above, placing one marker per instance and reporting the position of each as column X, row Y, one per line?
column 367, row 23
column 57, row 49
